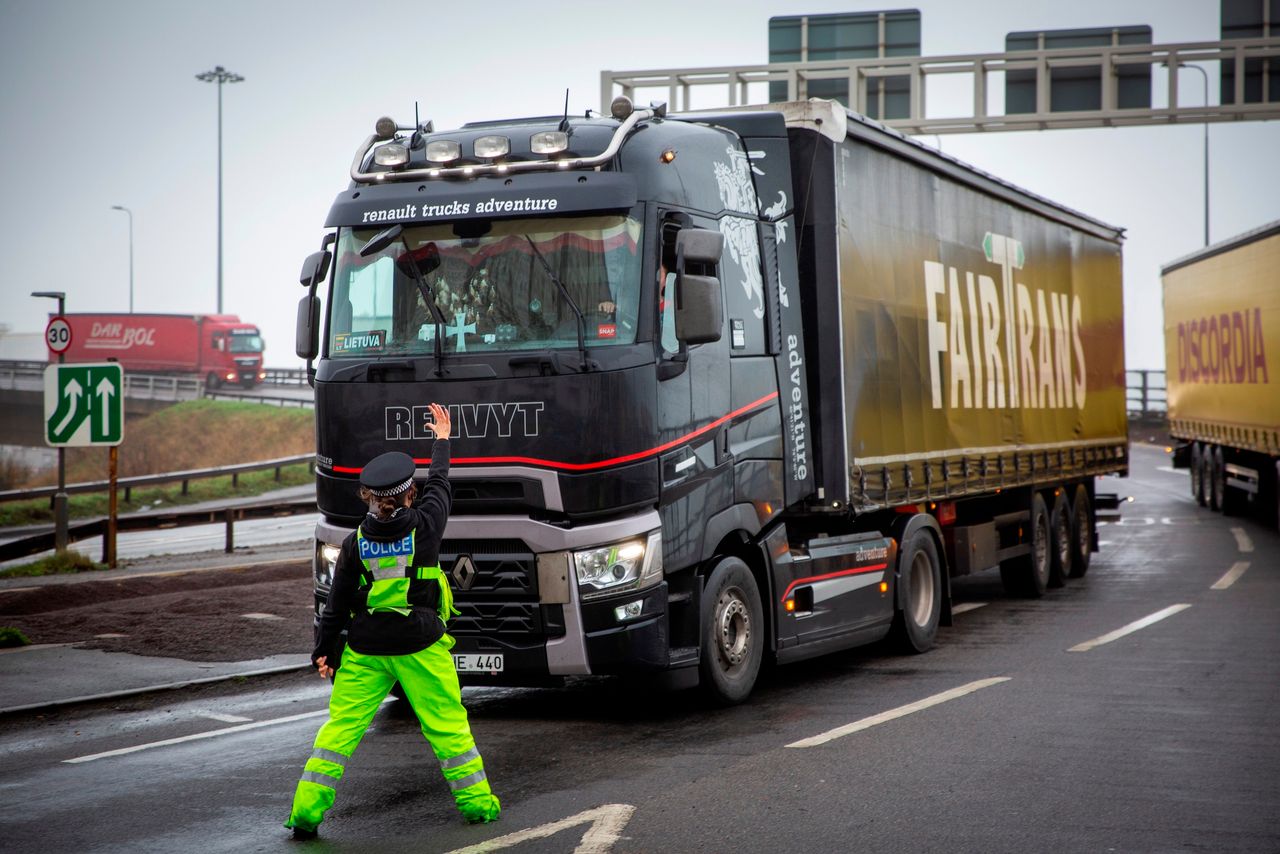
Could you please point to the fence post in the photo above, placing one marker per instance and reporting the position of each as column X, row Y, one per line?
column 228, row 515
column 184, row 486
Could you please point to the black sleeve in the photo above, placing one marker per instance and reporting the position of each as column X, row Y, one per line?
column 436, row 496
column 337, row 610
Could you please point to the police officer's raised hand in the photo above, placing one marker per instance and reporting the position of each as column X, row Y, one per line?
column 325, row 670
column 440, row 423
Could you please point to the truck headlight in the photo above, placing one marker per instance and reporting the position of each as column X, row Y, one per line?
column 326, row 563
column 630, row 565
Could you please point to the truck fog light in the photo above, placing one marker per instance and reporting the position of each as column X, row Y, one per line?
column 489, row 147
column 443, row 150
column 391, row 155
column 548, row 142
column 629, row 611
column 231, row 377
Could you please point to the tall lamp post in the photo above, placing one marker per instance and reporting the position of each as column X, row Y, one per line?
column 1205, row 74
column 130, row 213
column 219, row 75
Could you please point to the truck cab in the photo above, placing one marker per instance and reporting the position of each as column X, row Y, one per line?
column 600, row 303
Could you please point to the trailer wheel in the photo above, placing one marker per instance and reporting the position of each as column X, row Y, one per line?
column 1028, row 575
column 915, row 620
column 1081, row 533
column 212, row 381
column 1217, row 484
column 1060, row 524
column 732, row 632
column 1197, row 473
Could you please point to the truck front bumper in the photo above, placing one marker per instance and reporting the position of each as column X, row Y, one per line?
column 519, row 597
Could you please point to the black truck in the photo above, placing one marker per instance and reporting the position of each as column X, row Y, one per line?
column 743, row 384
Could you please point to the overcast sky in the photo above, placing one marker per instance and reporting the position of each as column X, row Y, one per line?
column 100, row 107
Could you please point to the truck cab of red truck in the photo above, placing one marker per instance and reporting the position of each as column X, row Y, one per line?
column 688, row 362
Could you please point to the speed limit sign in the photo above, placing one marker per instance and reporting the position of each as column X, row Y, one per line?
column 58, row 334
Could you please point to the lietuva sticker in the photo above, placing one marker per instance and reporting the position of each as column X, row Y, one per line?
column 371, row 339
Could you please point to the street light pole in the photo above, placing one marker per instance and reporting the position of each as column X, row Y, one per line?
column 60, row 497
column 1176, row 64
column 219, row 75
column 130, row 213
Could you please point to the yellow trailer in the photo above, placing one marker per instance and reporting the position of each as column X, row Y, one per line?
column 1222, row 337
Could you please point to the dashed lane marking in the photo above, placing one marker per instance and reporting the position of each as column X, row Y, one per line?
column 606, row 825
column 1243, row 543
column 967, row 606
column 226, row 719
column 201, row 735
column 1231, row 576
column 894, row 714
column 1129, row 629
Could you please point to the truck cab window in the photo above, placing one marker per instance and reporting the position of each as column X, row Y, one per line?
column 494, row 290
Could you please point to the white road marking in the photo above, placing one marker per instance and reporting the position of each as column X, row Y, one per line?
column 967, row 606
column 201, row 735
column 1173, row 470
column 901, row 711
column 1129, row 629
column 258, row 615
column 226, row 719
column 1243, row 543
column 1231, row 576
column 607, row 823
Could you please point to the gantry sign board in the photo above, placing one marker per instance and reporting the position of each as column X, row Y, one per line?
column 83, row 404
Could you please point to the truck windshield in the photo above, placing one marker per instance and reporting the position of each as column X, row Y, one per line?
column 492, row 289
column 246, row 343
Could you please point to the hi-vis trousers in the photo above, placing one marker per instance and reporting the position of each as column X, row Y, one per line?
column 361, row 684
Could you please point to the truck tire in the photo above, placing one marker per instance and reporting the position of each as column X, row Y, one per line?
column 1081, row 533
column 1028, row 575
column 732, row 632
column 212, row 382
column 1197, row 482
column 1061, row 542
column 915, row 620
column 1217, row 481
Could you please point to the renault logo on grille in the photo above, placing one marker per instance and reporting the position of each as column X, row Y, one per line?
column 464, row 572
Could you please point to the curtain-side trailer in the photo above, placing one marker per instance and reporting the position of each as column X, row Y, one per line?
column 1221, row 320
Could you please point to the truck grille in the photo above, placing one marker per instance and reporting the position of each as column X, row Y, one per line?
column 502, row 598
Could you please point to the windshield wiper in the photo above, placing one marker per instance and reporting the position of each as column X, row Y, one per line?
column 564, row 292
column 408, row 264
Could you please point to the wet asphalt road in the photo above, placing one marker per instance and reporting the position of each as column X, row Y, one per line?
column 1164, row 739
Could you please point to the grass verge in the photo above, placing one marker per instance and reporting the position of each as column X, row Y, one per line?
column 56, row 564
column 9, row 636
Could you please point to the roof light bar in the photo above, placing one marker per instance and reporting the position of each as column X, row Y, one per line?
column 549, row 142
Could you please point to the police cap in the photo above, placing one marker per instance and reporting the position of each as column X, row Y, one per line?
column 388, row 474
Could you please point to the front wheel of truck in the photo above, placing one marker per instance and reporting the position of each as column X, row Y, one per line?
column 915, row 622
column 732, row 632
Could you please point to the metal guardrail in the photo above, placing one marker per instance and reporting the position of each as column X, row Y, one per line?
column 1146, row 395
column 259, row 398
column 128, row 484
column 38, row 543
column 285, row 376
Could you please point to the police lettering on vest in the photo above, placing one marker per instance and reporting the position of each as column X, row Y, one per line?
column 370, row 549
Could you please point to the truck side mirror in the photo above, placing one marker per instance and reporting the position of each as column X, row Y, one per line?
column 308, row 336
column 315, row 268
column 699, row 307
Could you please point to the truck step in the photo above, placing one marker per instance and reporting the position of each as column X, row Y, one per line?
column 683, row 655
column 679, row 598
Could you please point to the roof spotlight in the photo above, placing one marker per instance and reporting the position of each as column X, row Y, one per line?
column 385, row 128
column 621, row 107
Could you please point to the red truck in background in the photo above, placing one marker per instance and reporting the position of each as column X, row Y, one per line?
column 217, row 347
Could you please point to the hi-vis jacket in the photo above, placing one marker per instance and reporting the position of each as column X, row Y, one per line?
column 388, row 591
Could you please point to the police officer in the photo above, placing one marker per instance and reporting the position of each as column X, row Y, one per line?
column 389, row 594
